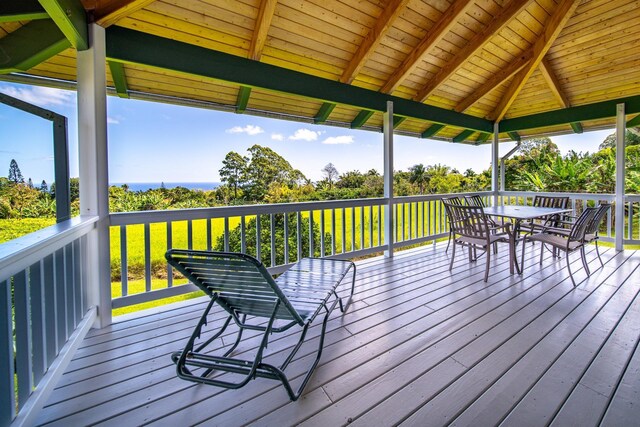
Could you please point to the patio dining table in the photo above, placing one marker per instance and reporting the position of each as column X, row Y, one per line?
column 519, row 213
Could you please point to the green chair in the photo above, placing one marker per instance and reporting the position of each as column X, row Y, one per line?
column 243, row 287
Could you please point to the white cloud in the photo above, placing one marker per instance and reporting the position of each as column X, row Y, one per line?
column 342, row 139
column 305, row 135
column 113, row 121
column 277, row 137
column 248, row 129
column 41, row 96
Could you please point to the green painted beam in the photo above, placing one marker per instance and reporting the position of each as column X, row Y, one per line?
column 132, row 46
column 71, row 18
column 397, row 120
column 361, row 119
column 462, row 136
column 23, row 10
column 432, row 130
column 324, row 112
column 243, row 99
column 598, row 110
column 30, row 45
column 119, row 78
column 483, row 137
column 634, row 122
column 514, row 136
column 577, row 127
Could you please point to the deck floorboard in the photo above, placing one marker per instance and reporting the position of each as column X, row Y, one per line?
column 419, row 345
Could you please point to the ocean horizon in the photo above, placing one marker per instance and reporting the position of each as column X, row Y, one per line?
column 144, row 186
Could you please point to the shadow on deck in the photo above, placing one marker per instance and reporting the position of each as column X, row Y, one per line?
column 419, row 345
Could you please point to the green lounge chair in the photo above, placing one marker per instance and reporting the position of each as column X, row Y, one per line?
column 243, row 287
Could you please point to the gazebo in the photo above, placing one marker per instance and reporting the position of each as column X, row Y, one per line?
column 472, row 72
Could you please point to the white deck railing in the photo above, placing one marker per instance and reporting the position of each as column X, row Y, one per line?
column 43, row 313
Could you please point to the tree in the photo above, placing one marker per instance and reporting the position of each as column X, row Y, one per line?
column 265, row 167
column 419, row 176
column 330, row 173
column 631, row 138
column 233, row 171
column 30, row 183
column 44, row 188
column 15, row 175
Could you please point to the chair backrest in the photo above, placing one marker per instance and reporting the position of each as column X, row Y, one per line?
column 551, row 202
column 594, row 224
column 469, row 221
column 579, row 227
column 242, row 284
column 454, row 200
column 474, row 200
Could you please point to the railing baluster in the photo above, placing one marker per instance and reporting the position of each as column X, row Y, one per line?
column 7, row 385
column 208, row 224
column 243, row 235
column 37, row 321
column 299, row 235
column 124, row 267
column 77, row 280
column 190, row 234
column 286, row 237
column 311, row 245
column 380, row 213
column 23, row 336
column 169, row 246
column 630, row 221
column 61, row 317
column 362, row 227
column 353, row 229
column 258, row 233
column 50, row 308
column 333, row 231
column 322, row 249
column 370, row 226
column 69, row 302
column 272, row 228
column 344, row 229
column 226, row 234
column 147, row 255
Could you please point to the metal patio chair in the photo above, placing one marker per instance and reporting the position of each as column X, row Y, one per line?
column 454, row 200
column 243, row 287
column 567, row 241
column 540, row 223
column 472, row 229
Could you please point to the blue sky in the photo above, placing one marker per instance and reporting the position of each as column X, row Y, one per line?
column 153, row 142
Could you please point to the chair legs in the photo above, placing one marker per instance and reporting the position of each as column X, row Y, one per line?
column 598, row 252
column 583, row 256
column 486, row 270
column 569, row 268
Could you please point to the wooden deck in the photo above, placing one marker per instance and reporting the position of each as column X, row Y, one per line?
column 419, row 346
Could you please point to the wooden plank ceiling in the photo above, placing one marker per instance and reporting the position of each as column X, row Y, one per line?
column 490, row 59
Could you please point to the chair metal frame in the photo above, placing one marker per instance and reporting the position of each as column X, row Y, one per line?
column 567, row 241
column 243, row 287
column 472, row 229
column 547, row 202
column 455, row 200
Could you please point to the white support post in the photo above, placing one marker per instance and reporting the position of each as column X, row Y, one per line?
column 93, row 168
column 388, row 179
column 495, row 161
column 621, row 128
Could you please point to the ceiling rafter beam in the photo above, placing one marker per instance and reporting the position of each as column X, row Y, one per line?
column 117, row 10
column 372, row 40
column 30, row 45
column 556, row 88
column 495, row 81
column 432, row 130
column 131, row 46
column 555, row 24
column 634, row 122
column 119, row 78
column 514, row 136
column 263, row 23
column 361, row 119
column 483, row 137
column 462, row 136
column 397, row 120
column 71, row 18
column 24, row 10
column 435, row 34
column 476, row 42
column 324, row 112
column 244, row 93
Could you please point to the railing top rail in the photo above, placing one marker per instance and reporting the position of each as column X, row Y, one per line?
column 124, row 218
column 587, row 196
column 429, row 197
column 18, row 254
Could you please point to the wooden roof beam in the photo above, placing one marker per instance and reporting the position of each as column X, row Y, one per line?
column 263, row 23
column 324, row 112
column 24, row 10
column 361, row 119
column 119, row 78
column 372, row 40
column 71, row 18
column 108, row 13
column 244, row 93
column 554, row 26
column 495, row 81
column 30, row 45
column 554, row 84
column 435, row 34
column 634, row 122
column 476, row 42
column 432, row 130
column 462, row 136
